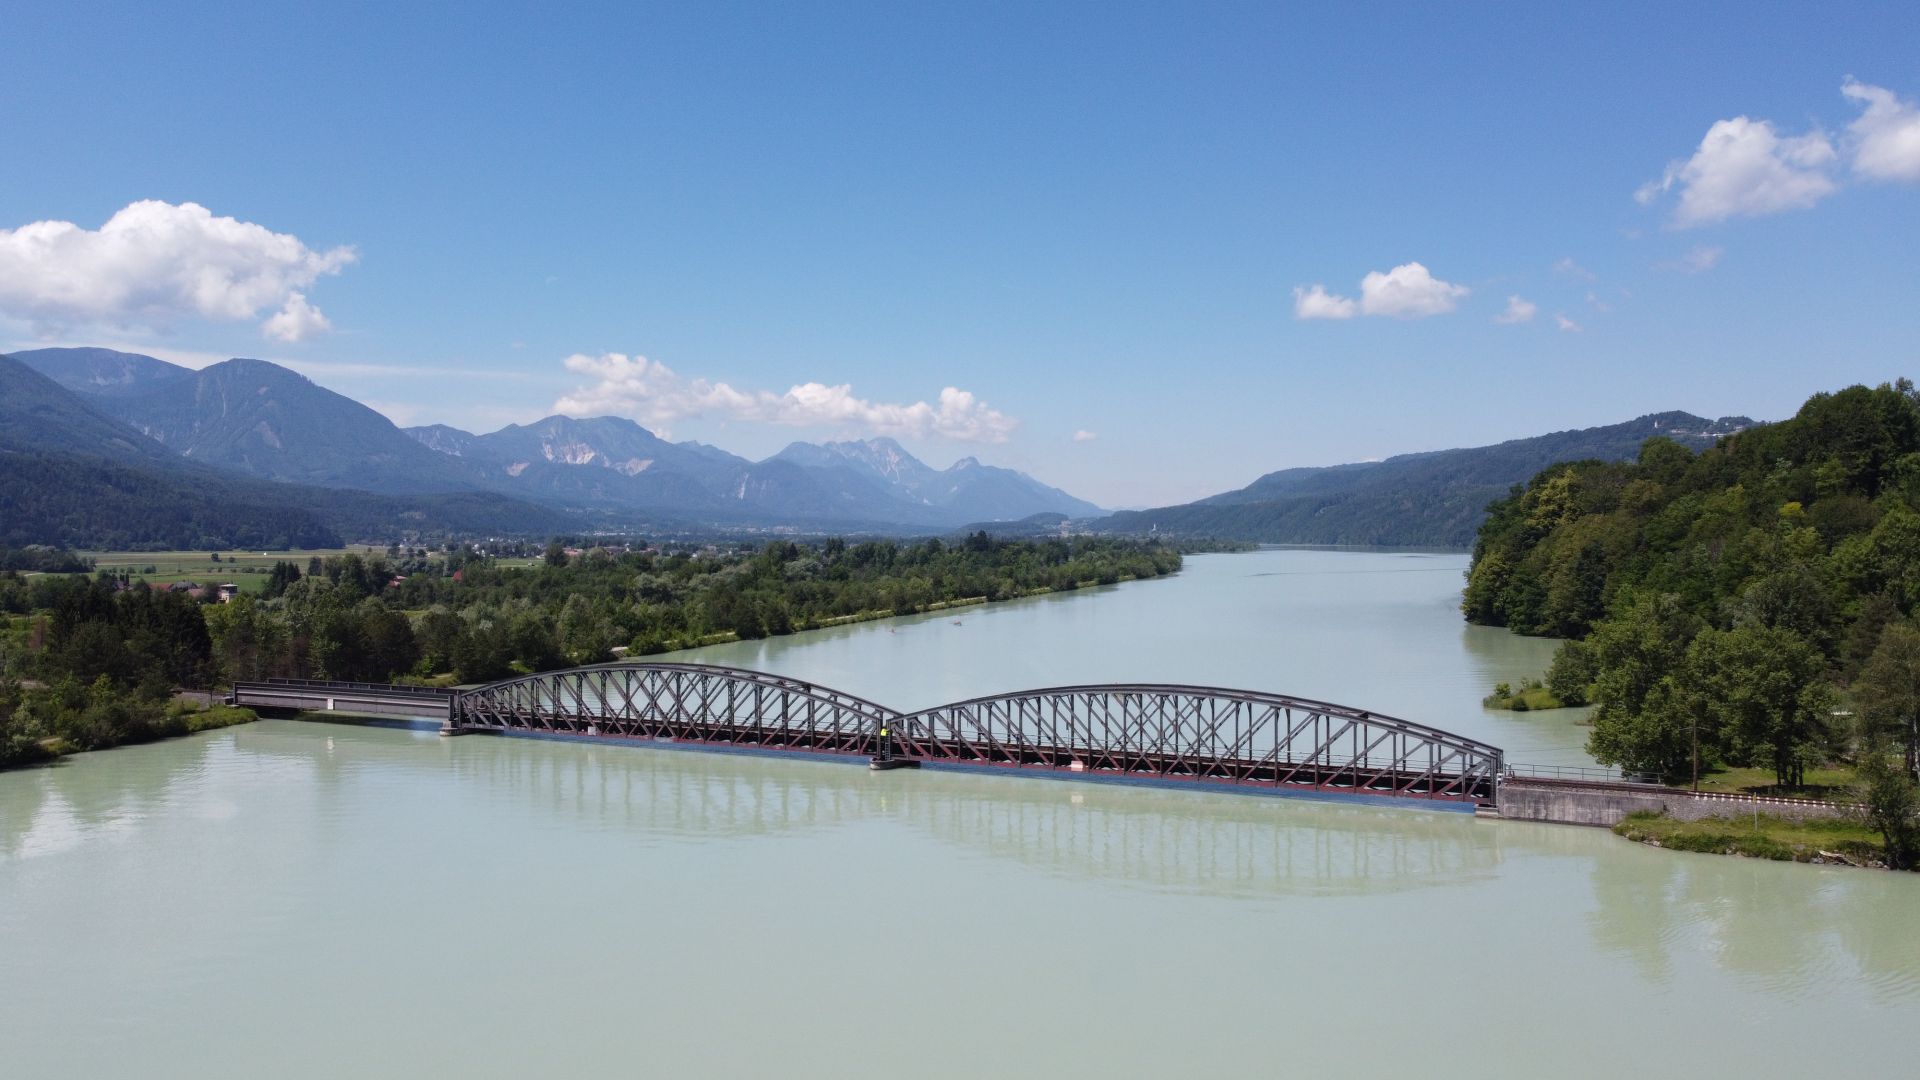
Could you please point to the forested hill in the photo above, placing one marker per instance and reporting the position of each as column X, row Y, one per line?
column 1436, row 498
column 1741, row 593
column 70, row 475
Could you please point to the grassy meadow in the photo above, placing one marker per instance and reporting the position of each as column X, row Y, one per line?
column 247, row 569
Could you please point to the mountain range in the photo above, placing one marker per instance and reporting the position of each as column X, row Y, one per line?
column 103, row 448
column 254, row 420
column 1436, row 498
column 72, row 475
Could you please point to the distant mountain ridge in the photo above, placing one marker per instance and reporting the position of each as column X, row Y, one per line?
column 1435, row 498
column 259, row 419
column 71, row 475
column 102, row 372
column 873, row 480
column 38, row 415
column 254, row 417
column 966, row 490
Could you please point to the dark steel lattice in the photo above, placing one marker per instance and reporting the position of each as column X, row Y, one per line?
column 1201, row 734
column 698, row 703
column 1193, row 734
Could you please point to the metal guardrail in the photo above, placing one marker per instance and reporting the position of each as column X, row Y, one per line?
column 1589, row 774
column 1575, row 772
column 370, row 699
column 1766, row 800
column 380, row 688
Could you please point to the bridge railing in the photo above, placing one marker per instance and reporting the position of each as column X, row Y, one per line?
column 371, row 699
column 381, row 688
column 1590, row 773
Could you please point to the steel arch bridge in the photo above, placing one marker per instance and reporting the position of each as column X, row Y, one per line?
column 695, row 703
column 1138, row 732
column 1201, row 734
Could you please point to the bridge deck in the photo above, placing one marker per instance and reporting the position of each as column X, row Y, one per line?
column 1269, row 771
column 362, row 699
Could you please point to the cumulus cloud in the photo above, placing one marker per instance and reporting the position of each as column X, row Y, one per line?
column 1408, row 291
column 1519, row 310
column 1884, row 139
column 1565, row 324
column 1083, row 435
column 658, row 396
column 1745, row 168
column 1315, row 302
column 153, row 262
column 296, row 320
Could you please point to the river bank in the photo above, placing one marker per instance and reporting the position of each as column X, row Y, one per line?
column 1818, row 841
column 172, row 723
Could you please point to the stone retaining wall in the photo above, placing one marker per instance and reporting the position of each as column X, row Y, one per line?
column 1571, row 802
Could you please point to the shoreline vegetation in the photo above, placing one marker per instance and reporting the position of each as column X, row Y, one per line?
column 1531, row 695
column 1754, row 606
column 1822, row 841
column 91, row 661
column 106, row 730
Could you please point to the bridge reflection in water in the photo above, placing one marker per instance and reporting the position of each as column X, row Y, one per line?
column 1158, row 840
column 1136, row 733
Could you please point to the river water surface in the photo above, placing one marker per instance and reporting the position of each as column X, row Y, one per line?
column 295, row 899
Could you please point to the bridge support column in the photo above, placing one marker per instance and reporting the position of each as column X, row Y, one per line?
column 885, row 756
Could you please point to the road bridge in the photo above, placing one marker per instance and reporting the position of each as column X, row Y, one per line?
column 386, row 700
column 1136, row 732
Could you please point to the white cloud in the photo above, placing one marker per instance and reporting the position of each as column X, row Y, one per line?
column 1407, row 291
column 1519, row 310
column 1885, row 138
column 1316, row 302
column 1566, row 267
column 1565, row 324
column 1083, row 435
column 1745, row 168
column 296, row 320
column 657, row 395
column 1698, row 261
column 153, row 262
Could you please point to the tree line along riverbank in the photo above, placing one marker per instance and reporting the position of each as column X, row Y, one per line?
column 1751, row 606
column 88, row 661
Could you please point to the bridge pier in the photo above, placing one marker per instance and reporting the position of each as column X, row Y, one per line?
column 887, row 755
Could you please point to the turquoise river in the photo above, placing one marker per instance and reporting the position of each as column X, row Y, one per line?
column 294, row 899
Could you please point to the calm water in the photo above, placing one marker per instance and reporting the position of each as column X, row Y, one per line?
column 306, row 900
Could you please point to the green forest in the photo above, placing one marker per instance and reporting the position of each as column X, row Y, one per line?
column 90, row 661
column 1748, row 606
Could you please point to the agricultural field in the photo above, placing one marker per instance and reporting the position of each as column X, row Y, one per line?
column 247, row 569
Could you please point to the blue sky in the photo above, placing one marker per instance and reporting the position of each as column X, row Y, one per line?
column 1099, row 224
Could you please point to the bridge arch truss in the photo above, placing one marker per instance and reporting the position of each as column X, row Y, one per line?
column 1202, row 734
column 697, row 703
